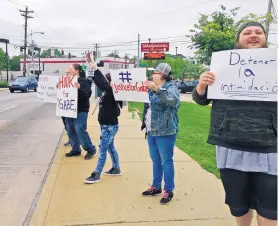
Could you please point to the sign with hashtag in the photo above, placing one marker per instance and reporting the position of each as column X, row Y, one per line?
column 128, row 84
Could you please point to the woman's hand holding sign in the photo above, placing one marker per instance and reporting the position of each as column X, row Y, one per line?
column 77, row 85
column 93, row 65
column 151, row 85
column 207, row 78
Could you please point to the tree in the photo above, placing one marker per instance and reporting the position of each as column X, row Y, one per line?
column 180, row 68
column 47, row 53
column 114, row 54
column 217, row 31
column 2, row 59
column 192, row 70
column 15, row 63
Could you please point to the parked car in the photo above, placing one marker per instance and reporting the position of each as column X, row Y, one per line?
column 24, row 84
column 188, row 86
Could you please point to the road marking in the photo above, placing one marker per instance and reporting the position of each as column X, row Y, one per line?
column 8, row 108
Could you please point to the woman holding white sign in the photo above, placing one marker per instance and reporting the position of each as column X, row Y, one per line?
column 77, row 128
column 245, row 135
column 160, row 118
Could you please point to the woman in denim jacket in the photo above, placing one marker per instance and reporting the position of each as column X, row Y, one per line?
column 160, row 119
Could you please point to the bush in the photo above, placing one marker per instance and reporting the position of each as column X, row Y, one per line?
column 4, row 84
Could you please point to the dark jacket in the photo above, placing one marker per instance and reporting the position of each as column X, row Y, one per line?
column 84, row 94
column 108, row 106
column 146, row 107
column 242, row 125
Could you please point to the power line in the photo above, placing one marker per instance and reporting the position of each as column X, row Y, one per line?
column 171, row 39
column 166, row 12
column 49, row 26
column 16, row 3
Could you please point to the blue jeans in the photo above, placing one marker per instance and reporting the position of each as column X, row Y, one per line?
column 161, row 151
column 77, row 132
column 107, row 145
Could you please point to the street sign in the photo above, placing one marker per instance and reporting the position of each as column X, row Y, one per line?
column 37, row 66
column 157, row 46
column 154, row 56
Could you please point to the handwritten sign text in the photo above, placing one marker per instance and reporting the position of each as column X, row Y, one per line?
column 128, row 84
column 67, row 97
column 47, row 91
column 247, row 74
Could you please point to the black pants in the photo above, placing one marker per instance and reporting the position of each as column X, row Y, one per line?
column 248, row 190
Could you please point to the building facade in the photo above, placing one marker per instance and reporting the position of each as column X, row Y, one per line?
column 59, row 66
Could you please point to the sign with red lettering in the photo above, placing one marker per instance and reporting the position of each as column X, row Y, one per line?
column 128, row 85
column 67, row 97
column 156, row 47
column 154, row 56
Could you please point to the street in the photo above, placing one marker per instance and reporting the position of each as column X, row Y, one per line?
column 29, row 134
column 186, row 97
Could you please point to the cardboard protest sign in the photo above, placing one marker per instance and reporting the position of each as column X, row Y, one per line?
column 128, row 84
column 246, row 74
column 47, row 91
column 89, row 71
column 67, row 97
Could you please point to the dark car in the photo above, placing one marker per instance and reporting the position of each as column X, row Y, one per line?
column 188, row 86
column 24, row 84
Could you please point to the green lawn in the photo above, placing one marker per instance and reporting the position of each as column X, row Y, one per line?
column 193, row 132
column 4, row 84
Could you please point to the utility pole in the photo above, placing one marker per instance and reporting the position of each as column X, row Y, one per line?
column 138, row 50
column 176, row 59
column 269, row 7
column 33, row 49
column 25, row 14
column 6, row 41
column 151, row 62
column 39, row 61
column 96, row 52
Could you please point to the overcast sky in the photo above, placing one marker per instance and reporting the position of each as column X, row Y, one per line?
column 77, row 25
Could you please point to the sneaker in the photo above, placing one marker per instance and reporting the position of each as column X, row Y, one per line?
column 167, row 198
column 152, row 192
column 113, row 172
column 94, row 178
column 71, row 154
column 89, row 155
column 67, row 144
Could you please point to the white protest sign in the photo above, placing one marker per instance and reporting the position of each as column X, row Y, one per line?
column 89, row 71
column 47, row 91
column 67, row 97
column 246, row 74
column 128, row 84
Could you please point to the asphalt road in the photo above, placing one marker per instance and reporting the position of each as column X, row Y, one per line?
column 29, row 134
column 186, row 97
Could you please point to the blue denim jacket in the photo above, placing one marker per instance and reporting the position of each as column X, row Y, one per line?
column 164, row 107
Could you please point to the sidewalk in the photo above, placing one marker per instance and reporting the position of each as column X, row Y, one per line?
column 3, row 89
column 66, row 200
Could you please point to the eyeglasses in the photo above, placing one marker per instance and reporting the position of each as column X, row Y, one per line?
column 156, row 72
